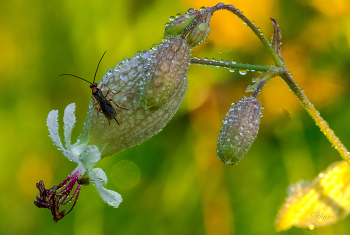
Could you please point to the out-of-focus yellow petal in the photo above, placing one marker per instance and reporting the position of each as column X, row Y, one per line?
column 323, row 201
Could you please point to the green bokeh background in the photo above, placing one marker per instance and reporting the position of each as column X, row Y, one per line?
column 183, row 188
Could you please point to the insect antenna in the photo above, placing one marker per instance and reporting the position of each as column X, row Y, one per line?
column 98, row 65
column 76, row 77
column 83, row 78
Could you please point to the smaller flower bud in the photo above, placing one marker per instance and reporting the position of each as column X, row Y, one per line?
column 180, row 24
column 199, row 33
column 241, row 125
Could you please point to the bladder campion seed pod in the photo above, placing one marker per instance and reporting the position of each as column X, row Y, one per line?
column 151, row 85
column 237, row 134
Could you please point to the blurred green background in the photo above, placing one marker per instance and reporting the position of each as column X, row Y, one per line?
column 173, row 183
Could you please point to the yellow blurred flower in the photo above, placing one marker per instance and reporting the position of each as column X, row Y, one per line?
column 321, row 202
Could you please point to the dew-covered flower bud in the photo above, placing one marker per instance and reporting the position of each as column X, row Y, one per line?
column 178, row 25
column 151, row 85
column 200, row 33
column 237, row 134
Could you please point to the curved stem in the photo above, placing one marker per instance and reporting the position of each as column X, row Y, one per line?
column 257, row 32
column 344, row 153
column 216, row 63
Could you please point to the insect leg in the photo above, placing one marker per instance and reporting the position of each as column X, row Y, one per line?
column 109, row 91
column 97, row 108
column 116, row 104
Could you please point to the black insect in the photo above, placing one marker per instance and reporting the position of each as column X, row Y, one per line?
column 105, row 105
column 83, row 181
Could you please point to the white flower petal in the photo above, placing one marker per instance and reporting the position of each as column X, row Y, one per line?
column 111, row 197
column 90, row 156
column 99, row 178
column 69, row 121
column 53, row 126
column 101, row 175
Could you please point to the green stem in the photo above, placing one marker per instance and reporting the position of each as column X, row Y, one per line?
column 257, row 32
column 344, row 153
column 264, row 78
column 216, row 63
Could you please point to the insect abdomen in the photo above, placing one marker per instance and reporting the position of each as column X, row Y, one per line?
column 105, row 106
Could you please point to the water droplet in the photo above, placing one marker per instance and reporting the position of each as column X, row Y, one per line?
column 242, row 72
column 171, row 18
column 311, row 227
column 203, row 8
column 233, row 61
column 190, row 10
column 145, row 54
column 178, row 15
column 232, row 70
column 155, row 46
